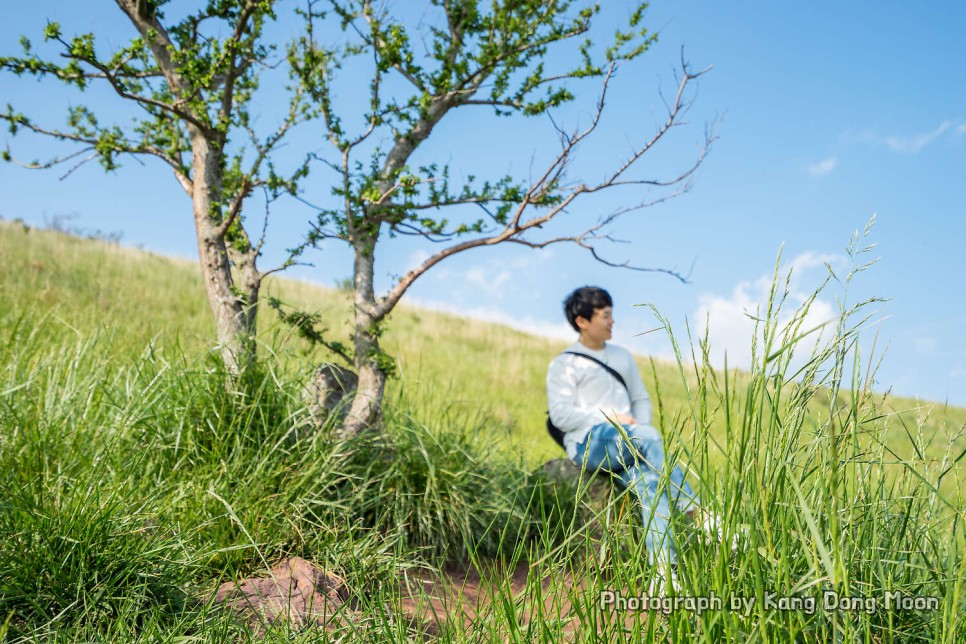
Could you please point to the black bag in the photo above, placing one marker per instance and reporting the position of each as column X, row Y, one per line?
column 556, row 434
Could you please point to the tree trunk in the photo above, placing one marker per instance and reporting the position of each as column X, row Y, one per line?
column 234, row 321
column 366, row 410
column 251, row 284
column 233, row 327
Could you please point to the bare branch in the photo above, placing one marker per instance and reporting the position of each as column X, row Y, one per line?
column 491, row 103
column 514, row 231
column 404, row 228
column 684, row 279
column 325, row 234
column 46, row 165
column 234, row 207
column 105, row 76
column 248, row 184
column 261, row 239
column 412, row 79
column 285, row 266
column 557, row 167
column 308, row 203
column 671, row 120
column 454, row 202
column 76, row 166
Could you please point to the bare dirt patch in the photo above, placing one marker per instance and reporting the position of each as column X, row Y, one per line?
column 457, row 597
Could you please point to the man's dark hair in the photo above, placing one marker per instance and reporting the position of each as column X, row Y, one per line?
column 583, row 301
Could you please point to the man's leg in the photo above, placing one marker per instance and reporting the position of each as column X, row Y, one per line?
column 638, row 464
column 647, row 439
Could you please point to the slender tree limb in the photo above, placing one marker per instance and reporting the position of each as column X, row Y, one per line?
column 158, row 40
column 46, row 165
column 408, row 229
column 112, row 79
column 517, row 226
column 234, row 70
column 248, row 184
column 91, row 143
column 454, row 202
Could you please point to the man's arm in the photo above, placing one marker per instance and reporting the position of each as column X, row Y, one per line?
column 562, row 398
column 640, row 401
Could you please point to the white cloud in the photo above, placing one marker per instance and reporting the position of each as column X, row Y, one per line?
column 915, row 143
column 808, row 260
column 823, row 167
column 416, row 258
column 730, row 320
column 487, row 280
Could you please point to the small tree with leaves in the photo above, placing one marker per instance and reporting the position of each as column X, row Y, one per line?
column 192, row 84
column 495, row 55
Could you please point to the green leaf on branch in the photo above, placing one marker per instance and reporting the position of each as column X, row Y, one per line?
column 307, row 326
column 52, row 31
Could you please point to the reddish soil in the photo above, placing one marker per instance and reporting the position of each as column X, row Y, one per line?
column 434, row 599
column 431, row 600
column 298, row 592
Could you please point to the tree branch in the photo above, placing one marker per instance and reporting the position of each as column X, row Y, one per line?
column 234, row 70
column 248, row 184
column 92, row 143
column 541, row 189
column 143, row 100
column 146, row 22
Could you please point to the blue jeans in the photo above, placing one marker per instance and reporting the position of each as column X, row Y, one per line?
column 639, row 463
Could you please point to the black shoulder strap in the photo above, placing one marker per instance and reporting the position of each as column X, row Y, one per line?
column 610, row 370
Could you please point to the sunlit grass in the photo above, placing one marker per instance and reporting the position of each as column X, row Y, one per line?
column 132, row 481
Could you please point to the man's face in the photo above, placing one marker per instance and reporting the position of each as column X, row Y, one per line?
column 598, row 327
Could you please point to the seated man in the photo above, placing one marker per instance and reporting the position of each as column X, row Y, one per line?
column 586, row 401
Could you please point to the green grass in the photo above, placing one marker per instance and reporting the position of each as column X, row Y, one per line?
column 132, row 482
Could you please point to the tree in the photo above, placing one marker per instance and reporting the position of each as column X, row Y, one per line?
column 499, row 55
column 193, row 91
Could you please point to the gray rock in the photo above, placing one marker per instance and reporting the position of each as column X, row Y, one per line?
column 600, row 498
column 596, row 486
column 565, row 470
column 327, row 391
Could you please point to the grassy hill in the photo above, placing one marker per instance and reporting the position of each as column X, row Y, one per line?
column 82, row 287
column 141, row 298
column 132, row 480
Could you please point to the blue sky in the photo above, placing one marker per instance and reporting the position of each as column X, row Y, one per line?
column 827, row 113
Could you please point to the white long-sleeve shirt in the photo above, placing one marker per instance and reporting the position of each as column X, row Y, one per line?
column 580, row 393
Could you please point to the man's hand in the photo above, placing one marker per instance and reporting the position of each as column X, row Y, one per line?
column 626, row 419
